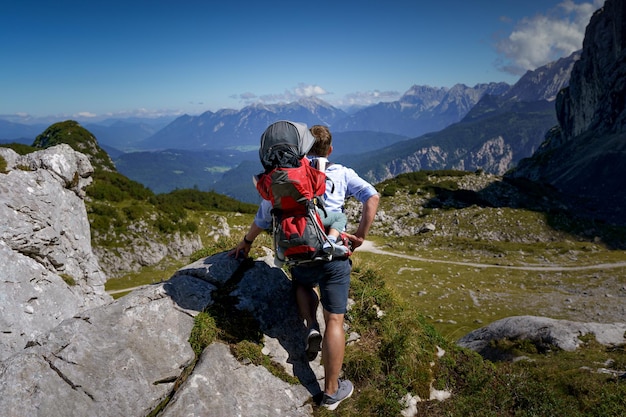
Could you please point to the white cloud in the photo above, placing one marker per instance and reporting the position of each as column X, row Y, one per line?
column 294, row 94
column 247, row 96
column 361, row 98
column 541, row 39
column 85, row 114
column 304, row 90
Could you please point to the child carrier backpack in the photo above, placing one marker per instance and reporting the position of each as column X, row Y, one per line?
column 295, row 189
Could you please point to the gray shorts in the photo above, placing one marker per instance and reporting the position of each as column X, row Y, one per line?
column 333, row 279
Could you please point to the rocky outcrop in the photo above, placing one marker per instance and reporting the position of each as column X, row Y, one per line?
column 49, row 271
column 143, row 247
column 80, row 139
column 584, row 157
column 126, row 358
column 545, row 333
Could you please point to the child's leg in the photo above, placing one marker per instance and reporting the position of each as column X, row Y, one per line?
column 336, row 222
column 333, row 233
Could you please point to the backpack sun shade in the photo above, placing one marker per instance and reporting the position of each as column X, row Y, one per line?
column 294, row 188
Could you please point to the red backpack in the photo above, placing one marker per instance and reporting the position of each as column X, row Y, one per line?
column 297, row 228
column 295, row 189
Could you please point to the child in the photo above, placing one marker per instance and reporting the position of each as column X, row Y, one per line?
column 333, row 220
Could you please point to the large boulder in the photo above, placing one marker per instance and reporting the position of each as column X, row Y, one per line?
column 543, row 332
column 130, row 357
column 49, row 272
column 68, row 349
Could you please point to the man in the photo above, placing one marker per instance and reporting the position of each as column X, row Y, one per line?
column 333, row 278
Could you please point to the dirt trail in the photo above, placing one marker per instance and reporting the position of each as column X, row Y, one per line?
column 124, row 290
column 368, row 246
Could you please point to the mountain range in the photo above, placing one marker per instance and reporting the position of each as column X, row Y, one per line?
column 488, row 126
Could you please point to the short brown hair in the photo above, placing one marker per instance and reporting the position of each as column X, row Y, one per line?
column 323, row 140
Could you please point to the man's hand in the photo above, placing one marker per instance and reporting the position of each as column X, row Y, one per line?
column 241, row 251
column 356, row 241
column 243, row 248
column 367, row 218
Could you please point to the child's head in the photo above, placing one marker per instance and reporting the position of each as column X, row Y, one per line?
column 323, row 141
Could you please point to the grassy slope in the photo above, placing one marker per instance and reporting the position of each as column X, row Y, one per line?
column 433, row 301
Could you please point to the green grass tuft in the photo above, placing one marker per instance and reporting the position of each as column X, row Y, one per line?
column 203, row 333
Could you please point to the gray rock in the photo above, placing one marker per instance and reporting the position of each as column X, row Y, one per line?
column 266, row 292
column 68, row 349
column 125, row 358
column 49, row 270
column 117, row 360
column 222, row 387
column 543, row 332
column 33, row 300
column 143, row 248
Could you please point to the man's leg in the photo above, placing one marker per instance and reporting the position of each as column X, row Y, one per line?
column 307, row 301
column 333, row 351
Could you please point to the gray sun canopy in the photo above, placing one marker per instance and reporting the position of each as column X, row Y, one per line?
column 284, row 144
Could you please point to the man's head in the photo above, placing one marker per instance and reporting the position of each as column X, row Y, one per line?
column 323, row 141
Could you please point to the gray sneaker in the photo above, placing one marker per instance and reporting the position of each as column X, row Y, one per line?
column 345, row 391
column 313, row 344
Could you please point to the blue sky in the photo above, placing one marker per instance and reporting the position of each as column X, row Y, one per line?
column 93, row 59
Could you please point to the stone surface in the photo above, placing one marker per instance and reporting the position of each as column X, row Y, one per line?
column 116, row 360
column 544, row 332
column 222, row 387
column 49, row 271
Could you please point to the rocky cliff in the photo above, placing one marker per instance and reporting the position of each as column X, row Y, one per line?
column 49, row 271
column 584, row 157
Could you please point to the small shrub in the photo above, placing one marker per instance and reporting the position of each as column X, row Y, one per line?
column 389, row 191
column 249, row 351
column 101, row 190
column 134, row 212
column 3, row 165
column 75, row 180
column 165, row 225
column 189, row 227
column 103, row 216
column 222, row 244
column 362, row 365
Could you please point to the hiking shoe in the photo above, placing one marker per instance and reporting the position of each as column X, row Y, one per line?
column 313, row 344
column 345, row 391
